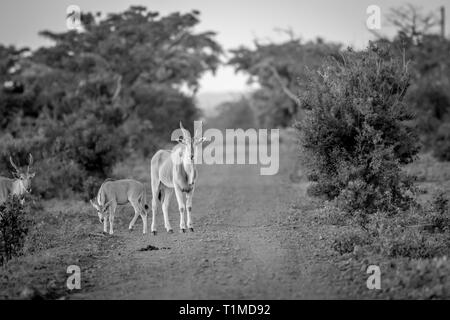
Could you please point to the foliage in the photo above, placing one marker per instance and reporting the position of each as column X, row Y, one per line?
column 234, row 114
column 419, row 278
column 442, row 142
column 14, row 226
column 409, row 242
column 355, row 135
column 438, row 215
column 347, row 241
column 281, row 71
column 90, row 187
column 418, row 41
column 96, row 96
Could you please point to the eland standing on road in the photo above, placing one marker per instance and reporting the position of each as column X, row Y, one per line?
column 174, row 170
column 120, row 192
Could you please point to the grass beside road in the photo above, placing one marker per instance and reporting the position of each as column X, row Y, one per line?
column 64, row 233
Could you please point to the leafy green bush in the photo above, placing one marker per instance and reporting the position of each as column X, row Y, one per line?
column 14, row 225
column 355, row 135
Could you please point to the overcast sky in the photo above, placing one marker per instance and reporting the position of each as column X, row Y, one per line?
column 237, row 22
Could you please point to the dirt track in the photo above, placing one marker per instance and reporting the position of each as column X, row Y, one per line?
column 252, row 240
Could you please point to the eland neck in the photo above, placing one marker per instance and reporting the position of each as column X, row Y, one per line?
column 186, row 168
column 18, row 188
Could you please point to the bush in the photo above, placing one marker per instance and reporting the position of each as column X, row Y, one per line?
column 346, row 242
column 442, row 143
column 331, row 214
column 90, row 187
column 67, row 153
column 355, row 135
column 93, row 145
column 420, row 279
column 409, row 243
column 56, row 177
column 233, row 114
column 14, row 226
column 438, row 215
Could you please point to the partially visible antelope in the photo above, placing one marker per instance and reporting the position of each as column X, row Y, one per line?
column 20, row 185
column 174, row 170
column 120, row 192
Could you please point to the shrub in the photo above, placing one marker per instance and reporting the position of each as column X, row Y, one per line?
column 355, row 135
column 57, row 177
column 410, row 243
column 347, row 241
column 438, row 214
column 14, row 226
column 442, row 143
column 93, row 145
column 90, row 187
column 333, row 215
column 420, row 279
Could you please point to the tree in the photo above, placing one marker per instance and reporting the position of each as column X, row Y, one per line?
column 233, row 114
column 280, row 70
column 411, row 22
column 94, row 93
column 427, row 52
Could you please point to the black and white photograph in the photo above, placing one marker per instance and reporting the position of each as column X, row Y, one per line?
column 202, row 151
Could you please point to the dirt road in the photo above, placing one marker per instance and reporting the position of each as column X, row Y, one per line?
column 253, row 239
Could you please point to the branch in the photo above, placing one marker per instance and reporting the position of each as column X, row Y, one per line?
column 118, row 88
column 286, row 90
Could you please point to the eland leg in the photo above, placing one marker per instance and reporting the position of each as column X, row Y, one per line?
column 154, row 211
column 136, row 215
column 189, row 210
column 155, row 184
column 165, row 208
column 143, row 213
column 181, row 207
column 105, row 224
column 112, row 211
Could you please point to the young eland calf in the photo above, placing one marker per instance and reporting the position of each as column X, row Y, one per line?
column 120, row 192
column 174, row 170
column 18, row 186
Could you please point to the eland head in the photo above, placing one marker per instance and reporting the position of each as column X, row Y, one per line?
column 189, row 151
column 23, row 178
column 101, row 209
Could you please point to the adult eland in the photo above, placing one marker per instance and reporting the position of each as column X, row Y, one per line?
column 175, row 171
